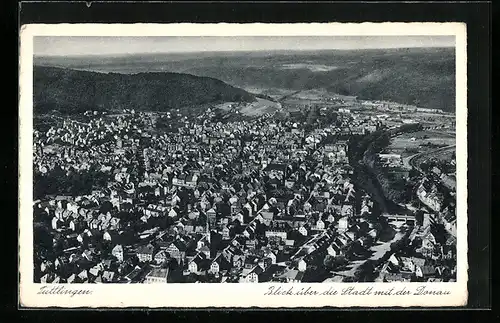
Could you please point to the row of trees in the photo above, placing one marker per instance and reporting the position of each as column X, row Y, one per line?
column 387, row 190
column 62, row 182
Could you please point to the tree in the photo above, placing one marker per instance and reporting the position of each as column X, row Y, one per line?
column 106, row 207
column 353, row 249
column 42, row 237
column 399, row 244
column 365, row 272
column 260, row 229
column 332, row 263
column 413, row 173
column 368, row 241
column 419, row 217
column 191, row 278
column 439, row 233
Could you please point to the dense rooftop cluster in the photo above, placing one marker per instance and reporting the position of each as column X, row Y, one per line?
column 258, row 200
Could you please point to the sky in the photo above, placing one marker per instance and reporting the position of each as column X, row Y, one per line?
column 112, row 45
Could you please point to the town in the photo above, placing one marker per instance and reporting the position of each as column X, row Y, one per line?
column 334, row 191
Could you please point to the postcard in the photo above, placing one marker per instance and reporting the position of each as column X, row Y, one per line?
column 243, row 165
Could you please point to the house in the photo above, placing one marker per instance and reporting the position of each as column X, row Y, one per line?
column 334, row 250
column 177, row 250
column 225, row 233
column 320, row 225
column 74, row 258
column 351, row 234
column 238, row 260
column 250, row 275
column 188, row 229
column 407, row 264
column 279, row 230
column 162, row 245
column 347, row 210
column 110, row 235
column 47, row 278
column 75, row 225
column 251, row 244
column 83, row 275
column 343, row 224
column 157, row 275
column 418, row 262
column 396, row 277
column 394, row 260
column 425, row 271
column 264, row 263
column 428, row 243
column 172, row 213
column 220, row 263
column 45, row 265
column 191, row 180
column 302, row 265
column 56, row 223
column 249, row 233
column 290, row 276
column 94, row 224
column 94, row 271
column 198, row 264
column 160, row 257
column 373, row 233
column 145, row 253
column 212, row 216
column 57, row 280
column 202, row 242
column 179, row 180
column 61, row 262
column 365, row 241
column 238, row 217
column 267, row 216
column 269, row 254
column 81, row 238
column 448, row 252
column 88, row 255
column 320, row 206
column 71, row 279
column 205, row 250
column 135, row 275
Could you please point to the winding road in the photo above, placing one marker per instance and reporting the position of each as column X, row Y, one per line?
column 410, row 161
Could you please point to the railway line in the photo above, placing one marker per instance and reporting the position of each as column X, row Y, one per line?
column 411, row 161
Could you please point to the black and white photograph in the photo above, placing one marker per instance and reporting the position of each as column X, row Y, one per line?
column 230, row 159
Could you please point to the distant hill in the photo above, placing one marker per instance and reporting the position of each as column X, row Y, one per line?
column 424, row 77
column 73, row 91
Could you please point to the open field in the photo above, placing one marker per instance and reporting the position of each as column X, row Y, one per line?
column 444, row 153
column 275, row 93
column 260, row 107
column 412, row 143
column 257, row 108
column 311, row 67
